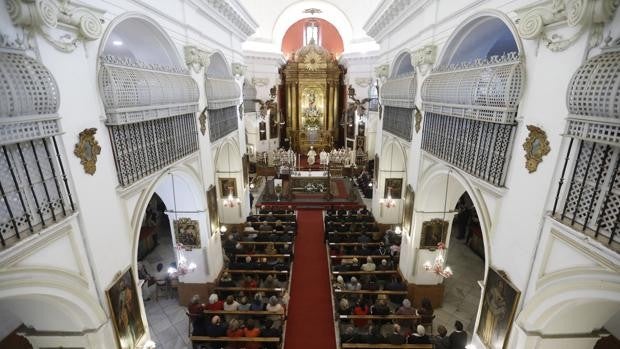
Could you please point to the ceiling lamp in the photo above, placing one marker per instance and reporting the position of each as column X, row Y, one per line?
column 231, row 201
column 438, row 266
column 388, row 202
column 184, row 266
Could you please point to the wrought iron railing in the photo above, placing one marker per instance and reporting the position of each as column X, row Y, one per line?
column 222, row 122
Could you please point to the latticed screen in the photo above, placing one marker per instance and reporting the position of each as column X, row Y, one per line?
column 146, row 147
column 593, row 196
column 34, row 188
column 398, row 121
column 222, row 122
column 479, row 148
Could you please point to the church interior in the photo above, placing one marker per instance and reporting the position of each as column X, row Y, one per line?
column 292, row 174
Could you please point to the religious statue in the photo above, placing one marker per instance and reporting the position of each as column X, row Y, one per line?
column 323, row 158
column 311, row 156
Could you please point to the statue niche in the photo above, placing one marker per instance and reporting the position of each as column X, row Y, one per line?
column 313, row 96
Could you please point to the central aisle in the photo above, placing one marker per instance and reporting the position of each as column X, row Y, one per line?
column 310, row 321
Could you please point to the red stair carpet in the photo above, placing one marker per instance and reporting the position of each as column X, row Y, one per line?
column 310, row 323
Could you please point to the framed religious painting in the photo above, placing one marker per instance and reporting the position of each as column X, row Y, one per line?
column 376, row 169
column 212, row 206
column 228, row 186
column 187, row 233
column 245, row 163
column 408, row 209
column 433, row 232
column 499, row 304
column 394, row 187
column 123, row 301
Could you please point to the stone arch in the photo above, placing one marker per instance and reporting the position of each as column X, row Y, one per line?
column 591, row 294
column 25, row 293
column 401, row 66
column 480, row 36
column 219, row 67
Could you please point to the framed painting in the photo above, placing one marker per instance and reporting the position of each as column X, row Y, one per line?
column 228, row 186
column 187, row 233
column 498, row 309
column 214, row 217
column 408, row 209
column 433, row 232
column 125, row 311
column 376, row 169
column 394, row 186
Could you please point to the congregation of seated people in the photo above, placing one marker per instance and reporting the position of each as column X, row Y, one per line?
column 363, row 181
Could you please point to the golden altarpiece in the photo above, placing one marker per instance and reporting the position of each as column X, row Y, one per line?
column 314, row 97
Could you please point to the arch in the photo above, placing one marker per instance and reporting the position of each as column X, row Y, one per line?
column 331, row 13
column 402, row 65
column 125, row 35
column 228, row 158
column 440, row 175
column 28, row 292
column 393, row 157
column 481, row 36
column 593, row 295
column 218, row 66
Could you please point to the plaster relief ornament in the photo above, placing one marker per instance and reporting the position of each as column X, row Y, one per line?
column 312, row 61
column 536, row 146
column 203, row 121
column 238, row 69
column 540, row 21
column 62, row 23
column 424, row 58
column 382, row 71
column 196, row 58
column 87, row 150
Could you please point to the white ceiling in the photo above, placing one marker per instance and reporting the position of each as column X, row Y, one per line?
column 275, row 16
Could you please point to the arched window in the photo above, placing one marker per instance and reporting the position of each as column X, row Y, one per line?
column 373, row 94
column 591, row 201
column 249, row 97
column 311, row 33
column 150, row 99
column 470, row 100
column 34, row 189
column 398, row 98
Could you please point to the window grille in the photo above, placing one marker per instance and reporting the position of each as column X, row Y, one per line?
column 592, row 202
column 249, row 97
column 222, row 122
column 398, row 121
column 479, row 148
column 34, row 188
column 143, row 148
column 373, row 94
column 399, row 92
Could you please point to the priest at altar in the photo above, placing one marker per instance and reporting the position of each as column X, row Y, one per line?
column 323, row 157
column 311, row 156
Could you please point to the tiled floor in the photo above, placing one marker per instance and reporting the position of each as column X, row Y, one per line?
column 462, row 291
column 167, row 323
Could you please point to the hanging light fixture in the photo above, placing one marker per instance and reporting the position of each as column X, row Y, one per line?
column 388, row 202
column 231, row 201
column 438, row 266
column 183, row 265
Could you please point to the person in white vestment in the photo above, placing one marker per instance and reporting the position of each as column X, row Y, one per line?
column 311, row 156
column 324, row 157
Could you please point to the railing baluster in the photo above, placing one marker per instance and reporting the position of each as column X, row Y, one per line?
column 607, row 196
column 47, row 194
column 64, row 175
column 598, row 181
column 31, row 185
column 10, row 211
column 583, row 184
column 51, row 162
column 557, row 195
column 572, row 180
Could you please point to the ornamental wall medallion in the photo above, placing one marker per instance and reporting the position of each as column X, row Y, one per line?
column 203, row 121
column 418, row 120
column 87, row 150
column 312, row 61
column 536, row 146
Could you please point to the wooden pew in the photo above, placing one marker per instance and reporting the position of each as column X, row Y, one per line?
column 261, row 255
column 202, row 339
column 361, row 258
column 251, row 289
column 361, row 272
column 355, row 243
column 255, row 271
column 265, row 242
column 243, row 312
column 371, row 292
column 383, row 317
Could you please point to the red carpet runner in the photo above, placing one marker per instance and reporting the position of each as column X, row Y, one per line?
column 310, row 323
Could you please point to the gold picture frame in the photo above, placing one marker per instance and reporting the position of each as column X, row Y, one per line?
column 228, row 184
column 536, row 146
column 122, row 297
column 87, row 150
column 394, row 186
column 214, row 217
column 433, row 232
column 499, row 304
column 407, row 222
column 187, row 233
column 245, row 163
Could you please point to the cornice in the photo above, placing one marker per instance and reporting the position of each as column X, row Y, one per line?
column 263, row 56
column 232, row 13
column 391, row 15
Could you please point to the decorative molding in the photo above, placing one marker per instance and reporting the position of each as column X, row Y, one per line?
column 418, row 119
column 424, row 58
column 62, row 23
column 87, row 150
column 363, row 82
column 15, row 43
column 382, row 71
column 244, row 24
column 506, row 58
column 538, row 21
column 260, row 82
column 134, row 63
column 389, row 14
column 203, row 121
column 238, row 69
column 196, row 58
column 536, row 146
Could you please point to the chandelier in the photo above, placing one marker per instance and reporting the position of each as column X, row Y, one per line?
column 184, row 266
column 438, row 266
column 388, row 202
column 231, row 201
